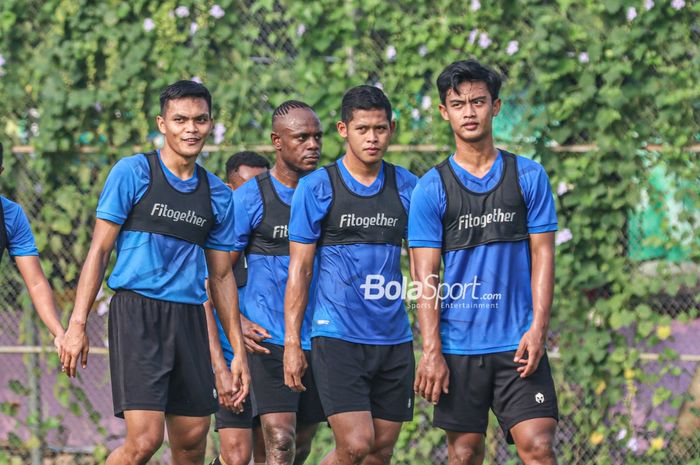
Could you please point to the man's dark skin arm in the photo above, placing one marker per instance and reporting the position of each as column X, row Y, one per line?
column 224, row 295
column 542, row 282
column 432, row 374
column 253, row 333
column 301, row 270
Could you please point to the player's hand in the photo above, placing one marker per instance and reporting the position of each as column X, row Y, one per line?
column 58, row 342
column 432, row 377
column 294, row 367
column 531, row 343
column 253, row 335
column 75, row 346
column 224, row 387
column 240, row 384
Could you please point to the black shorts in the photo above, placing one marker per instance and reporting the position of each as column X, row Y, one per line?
column 159, row 357
column 226, row 418
column 480, row 382
column 271, row 395
column 372, row 378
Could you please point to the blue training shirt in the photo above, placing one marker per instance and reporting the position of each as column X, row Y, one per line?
column 341, row 309
column 489, row 306
column 20, row 240
column 267, row 274
column 155, row 265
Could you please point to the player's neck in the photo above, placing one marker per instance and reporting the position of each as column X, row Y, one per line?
column 364, row 173
column 182, row 167
column 285, row 175
column 476, row 157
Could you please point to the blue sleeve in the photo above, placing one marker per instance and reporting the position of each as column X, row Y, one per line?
column 126, row 183
column 427, row 210
column 405, row 183
column 534, row 182
column 248, row 210
column 221, row 235
column 20, row 240
column 310, row 205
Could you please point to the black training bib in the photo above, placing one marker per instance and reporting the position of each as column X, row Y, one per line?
column 356, row 219
column 472, row 218
column 165, row 210
column 4, row 243
column 240, row 271
column 271, row 237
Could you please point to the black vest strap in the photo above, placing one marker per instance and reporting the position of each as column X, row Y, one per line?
column 165, row 210
column 356, row 219
column 4, row 242
column 472, row 218
column 271, row 237
column 240, row 271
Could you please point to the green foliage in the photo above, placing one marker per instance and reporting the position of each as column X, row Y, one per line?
column 80, row 74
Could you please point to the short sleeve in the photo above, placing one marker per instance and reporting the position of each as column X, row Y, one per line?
column 19, row 233
column 125, row 185
column 426, row 212
column 310, row 205
column 541, row 213
column 221, row 236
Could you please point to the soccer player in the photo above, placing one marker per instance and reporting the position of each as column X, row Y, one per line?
column 262, row 208
column 234, row 428
column 168, row 216
column 489, row 215
column 353, row 213
column 16, row 236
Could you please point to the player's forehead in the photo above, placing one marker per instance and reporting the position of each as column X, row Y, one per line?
column 371, row 117
column 300, row 120
column 468, row 90
column 187, row 106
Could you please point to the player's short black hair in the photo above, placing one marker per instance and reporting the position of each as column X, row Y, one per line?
column 1, row 153
column 285, row 107
column 247, row 158
column 184, row 89
column 364, row 98
column 468, row 71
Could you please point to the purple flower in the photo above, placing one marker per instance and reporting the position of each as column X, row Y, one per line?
column 219, row 132
column 484, row 40
column 472, row 36
column 648, row 4
column 196, row 79
column 631, row 13
column 422, row 50
column 475, row 5
column 193, row 28
column 415, row 114
column 301, row 29
column 583, row 57
column 562, row 188
column 513, row 47
column 217, row 12
column 563, row 236
column 98, row 106
column 148, row 25
column 2, row 61
column 182, row 11
column 390, row 53
column 379, row 85
column 426, row 102
column 677, row 4
column 33, row 112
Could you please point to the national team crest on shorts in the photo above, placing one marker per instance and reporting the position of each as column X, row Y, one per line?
column 539, row 398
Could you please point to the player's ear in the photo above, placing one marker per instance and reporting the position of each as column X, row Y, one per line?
column 276, row 140
column 443, row 112
column 160, row 122
column 342, row 129
column 496, row 106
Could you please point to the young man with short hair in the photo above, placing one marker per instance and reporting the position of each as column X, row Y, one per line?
column 353, row 215
column 489, row 216
column 16, row 236
column 239, row 432
column 172, row 223
column 289, row 419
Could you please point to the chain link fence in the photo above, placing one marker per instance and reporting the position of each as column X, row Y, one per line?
column 75, row 419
